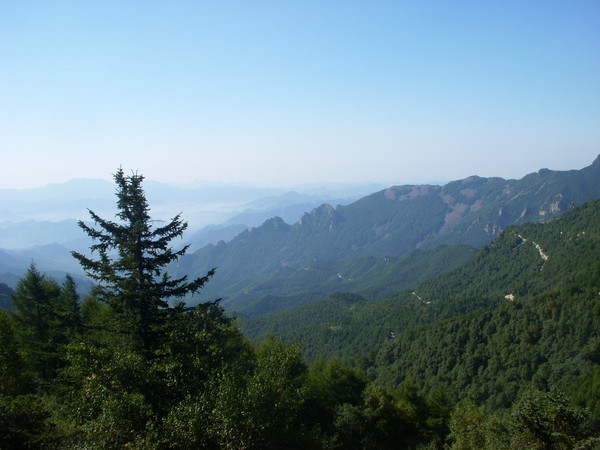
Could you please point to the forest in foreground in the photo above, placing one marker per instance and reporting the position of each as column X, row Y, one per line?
column 503, row 352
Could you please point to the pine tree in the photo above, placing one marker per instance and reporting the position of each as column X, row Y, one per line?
column 130, row 268
column 71, row 317
column 37, row 301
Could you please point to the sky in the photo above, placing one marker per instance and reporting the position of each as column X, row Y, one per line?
column 281, row 93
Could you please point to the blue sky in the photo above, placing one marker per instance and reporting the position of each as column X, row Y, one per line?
column 283, row 93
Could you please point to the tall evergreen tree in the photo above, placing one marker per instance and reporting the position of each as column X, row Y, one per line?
column 71, row 316
column 130, row 268
column 32, row 299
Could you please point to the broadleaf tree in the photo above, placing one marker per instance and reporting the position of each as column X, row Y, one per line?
column 130, row 266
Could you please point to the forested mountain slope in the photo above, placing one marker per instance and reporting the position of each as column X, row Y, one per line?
column 389, row 223
column 372, row 277
column 545, row 331
column 523, row 312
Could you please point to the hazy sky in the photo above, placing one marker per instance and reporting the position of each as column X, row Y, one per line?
column 284, row 92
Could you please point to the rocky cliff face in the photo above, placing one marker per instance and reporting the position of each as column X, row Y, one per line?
column 479, row 208
column 325, row 217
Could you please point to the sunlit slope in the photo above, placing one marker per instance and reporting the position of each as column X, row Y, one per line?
column 544, row 280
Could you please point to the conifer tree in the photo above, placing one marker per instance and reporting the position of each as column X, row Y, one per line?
column 32, row 299
column 37, row 300
column 132, row 256
column 71, row 316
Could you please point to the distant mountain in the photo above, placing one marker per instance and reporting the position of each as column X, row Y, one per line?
column 203, row 204
column 290, row 206
column 55, row 260
column 52, row 257
column 212, row 234
column 56, row 202
column 389, row 223
column 31, row 233
column 523, row 313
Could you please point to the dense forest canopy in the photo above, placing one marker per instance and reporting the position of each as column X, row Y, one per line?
column 501, row 352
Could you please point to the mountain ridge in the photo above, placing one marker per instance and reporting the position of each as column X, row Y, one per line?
column 393, row 222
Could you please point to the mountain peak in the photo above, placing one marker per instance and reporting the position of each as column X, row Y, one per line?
column 276, row 222
column 325, row 217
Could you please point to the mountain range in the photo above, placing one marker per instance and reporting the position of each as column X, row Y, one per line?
column 259, row 266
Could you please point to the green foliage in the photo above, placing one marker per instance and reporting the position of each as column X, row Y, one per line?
column 352, row 327
column 260, row 410
column 71, row 318
column 589, row 391
column 24, row 422
column 14, row 376
column 46, row 316
column 256, row 405
column 374, row 424
column 538, row 420
column 380, row 420
column 546, row 420
column 106, row 402
column 438, row 405
column 198, row 342
column 467, row 430
column 323, row 326
column 491, row 356
column 331, row 384
column 98, row 321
